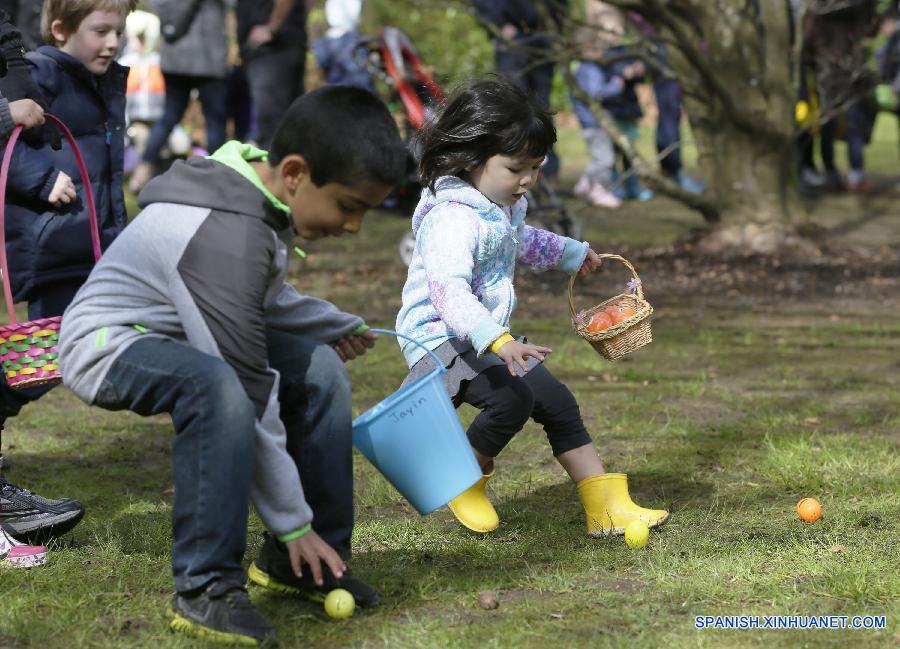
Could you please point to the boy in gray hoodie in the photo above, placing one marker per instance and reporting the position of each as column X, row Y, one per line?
column 188, row 313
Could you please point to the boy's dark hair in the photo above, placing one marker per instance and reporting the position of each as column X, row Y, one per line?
column 483, row 118
column 346, row 135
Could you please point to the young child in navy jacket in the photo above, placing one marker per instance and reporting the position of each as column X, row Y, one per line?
column 48, row 243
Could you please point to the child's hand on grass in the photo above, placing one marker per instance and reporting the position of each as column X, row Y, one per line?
column 515, row 352
column 590, row 264
column 63, row 191
column 312, row 549
column 353, row 346
column 26, row 112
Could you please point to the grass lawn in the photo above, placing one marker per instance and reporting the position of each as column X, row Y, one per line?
column 742, row 405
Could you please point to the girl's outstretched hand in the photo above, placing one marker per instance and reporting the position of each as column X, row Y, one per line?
column 590, row 264
column 313, row 550
column 353, row 346
column 515, row 352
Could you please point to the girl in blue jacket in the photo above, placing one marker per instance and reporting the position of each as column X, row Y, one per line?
column 479, row 158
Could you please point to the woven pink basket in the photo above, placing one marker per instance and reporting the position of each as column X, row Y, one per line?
column 28, row 350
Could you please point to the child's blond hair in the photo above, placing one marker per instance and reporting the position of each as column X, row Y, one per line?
column 604, row 17
column 71, row 12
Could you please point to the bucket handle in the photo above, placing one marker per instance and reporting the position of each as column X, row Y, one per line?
column 412, row 340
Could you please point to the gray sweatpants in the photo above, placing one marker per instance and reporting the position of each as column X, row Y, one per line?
column 602, row 156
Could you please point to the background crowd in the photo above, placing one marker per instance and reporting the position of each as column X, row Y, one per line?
column 243, row 62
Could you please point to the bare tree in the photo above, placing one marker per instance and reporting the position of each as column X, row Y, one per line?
column 733, row 60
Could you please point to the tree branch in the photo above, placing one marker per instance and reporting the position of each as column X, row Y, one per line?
column 656, row 13
column 641, row 167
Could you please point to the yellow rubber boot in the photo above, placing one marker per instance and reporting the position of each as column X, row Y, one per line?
column 473, row 509
column 609, row 508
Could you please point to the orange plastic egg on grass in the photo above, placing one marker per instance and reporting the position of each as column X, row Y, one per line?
column 809, row 510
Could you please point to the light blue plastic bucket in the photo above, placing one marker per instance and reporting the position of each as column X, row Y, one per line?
column 415, row 439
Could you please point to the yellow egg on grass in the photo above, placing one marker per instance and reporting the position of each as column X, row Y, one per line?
column 636, row 534
column 340, row 604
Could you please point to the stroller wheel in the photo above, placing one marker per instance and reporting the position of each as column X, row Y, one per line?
column 406, row 248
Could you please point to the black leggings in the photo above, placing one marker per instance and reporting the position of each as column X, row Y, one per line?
column 506, row 402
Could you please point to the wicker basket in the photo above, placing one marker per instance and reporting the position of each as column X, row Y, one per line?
column 628, row 335
column 28, row 350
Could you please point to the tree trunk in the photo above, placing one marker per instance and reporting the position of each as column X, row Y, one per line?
column 739, row 94
column 750, row 179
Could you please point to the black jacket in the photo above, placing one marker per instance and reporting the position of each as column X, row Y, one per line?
column 625, row 105
column 26, row 16
column 45, row 244
column 256, row 12
column 521, row 13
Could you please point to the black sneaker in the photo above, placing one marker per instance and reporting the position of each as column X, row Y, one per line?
column 272, row 570
column 34, row 519
column 220, row 613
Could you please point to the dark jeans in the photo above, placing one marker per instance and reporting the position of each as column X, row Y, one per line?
column 47, row 301
column 506, row 402
column 528, row 63
column 240, row 106
column 826, row 143
column 276, row 80
column 213, row 100
column 215, row 437
column 856, row 132
column 805, row 150
column 668, row 125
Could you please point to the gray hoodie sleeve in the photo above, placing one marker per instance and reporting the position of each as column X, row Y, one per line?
column 276, row 491
column 6, row 120
column 226, row 270
column 308, row 316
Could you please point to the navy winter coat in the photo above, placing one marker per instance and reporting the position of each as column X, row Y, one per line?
column 624, row 105
column 521, row 13
column 46, row 244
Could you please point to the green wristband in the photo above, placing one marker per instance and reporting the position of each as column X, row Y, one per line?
column 296, row 534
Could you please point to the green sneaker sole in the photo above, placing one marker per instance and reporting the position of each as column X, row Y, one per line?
column 183, row 625
column 265, row 580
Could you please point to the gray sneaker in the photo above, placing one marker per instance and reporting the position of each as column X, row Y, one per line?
column 221, row 613
column 34, row 519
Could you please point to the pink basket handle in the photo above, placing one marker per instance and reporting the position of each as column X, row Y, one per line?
column 88, row 197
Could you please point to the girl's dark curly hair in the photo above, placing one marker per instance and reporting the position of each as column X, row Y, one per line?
column 483, row 118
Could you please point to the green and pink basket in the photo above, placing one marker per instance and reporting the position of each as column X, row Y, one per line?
column 28, row 350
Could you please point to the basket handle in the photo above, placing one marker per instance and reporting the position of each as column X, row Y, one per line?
column 640, row 289
column 88, row 199
column 412, row 340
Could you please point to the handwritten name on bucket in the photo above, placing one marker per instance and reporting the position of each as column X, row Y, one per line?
column 409, row 409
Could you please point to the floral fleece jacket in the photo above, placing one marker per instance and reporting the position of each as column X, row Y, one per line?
column 460, row 281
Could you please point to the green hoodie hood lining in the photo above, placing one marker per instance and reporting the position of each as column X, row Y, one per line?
column 238, row 156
